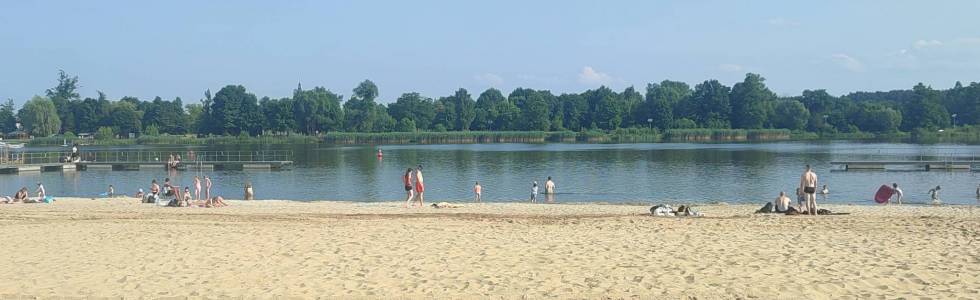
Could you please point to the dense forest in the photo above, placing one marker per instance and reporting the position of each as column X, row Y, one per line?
column 665, row 105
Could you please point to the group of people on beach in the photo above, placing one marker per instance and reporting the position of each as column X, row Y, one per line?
column 22, row 196
column 177, row 198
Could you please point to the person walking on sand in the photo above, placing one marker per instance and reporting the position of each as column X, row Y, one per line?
column 549, row 186
column 407, row 181
column 534, row 191
column 808, row 183
column 197, row 188
column 110, row 192
column 419, row 186
column 898, row 193
column 478, row 190
column 207, row 187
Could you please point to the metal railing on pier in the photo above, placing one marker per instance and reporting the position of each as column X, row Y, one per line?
column 147, row 157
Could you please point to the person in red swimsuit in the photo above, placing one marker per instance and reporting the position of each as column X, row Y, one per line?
column 419, row 186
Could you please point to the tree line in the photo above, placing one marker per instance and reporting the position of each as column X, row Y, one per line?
column 748, row 104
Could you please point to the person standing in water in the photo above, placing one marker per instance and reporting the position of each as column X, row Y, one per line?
column 534, row 192
column 478, row 190
column 197, row 188
column 549, row 186
column 419, row 186
column 898, row 193
column 207, row 187
column 249, row 192
column 407, row 181
column 808, row 183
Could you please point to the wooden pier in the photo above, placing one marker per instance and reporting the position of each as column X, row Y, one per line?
column 923, row 165
column 145, row 160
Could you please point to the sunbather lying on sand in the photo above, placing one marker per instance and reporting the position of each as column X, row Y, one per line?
column 217, row 201
column 446, row 205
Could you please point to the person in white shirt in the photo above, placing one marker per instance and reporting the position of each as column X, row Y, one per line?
column 898, row 193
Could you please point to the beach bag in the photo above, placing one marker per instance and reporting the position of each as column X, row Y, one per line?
column 766, row 209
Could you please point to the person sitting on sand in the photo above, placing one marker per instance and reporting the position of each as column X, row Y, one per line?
column 140, row 194
column 167, row 188
column 782, row 203
column 187, row 196
column 801, row 201
column 154, row 192
column 21, row 195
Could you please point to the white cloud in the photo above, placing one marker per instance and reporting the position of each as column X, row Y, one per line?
column 782, row 22
column 848, row 62
column 926, row 44
column 590, row 76
column 490, row 79
column 731, row 67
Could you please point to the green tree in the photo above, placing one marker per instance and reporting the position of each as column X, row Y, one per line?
column 486, row 113
column 749, row 101
column 405, row 125
column 317, row 110
column 790, row 114
column 125, row 118
column 876, row 118
column 360, row 111
column 278, row 114
column 820, row 104
column 925, row 110
column 710, row 102
column 575, row 111
column 534, row 112
column 660, row 101
column 40, row 117
column 465, row 109
column 233, row 111
column 413, row 106
column 8, row 118
column 105, row 133
column 194, row 111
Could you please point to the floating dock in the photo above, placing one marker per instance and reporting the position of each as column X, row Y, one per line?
column 146, row 160
column 923, row 165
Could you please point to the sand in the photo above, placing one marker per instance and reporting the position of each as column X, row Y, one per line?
column 265, row 249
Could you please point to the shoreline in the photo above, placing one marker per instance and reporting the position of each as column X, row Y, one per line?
column 78, row 247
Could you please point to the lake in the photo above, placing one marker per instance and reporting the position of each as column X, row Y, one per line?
column 674, row 172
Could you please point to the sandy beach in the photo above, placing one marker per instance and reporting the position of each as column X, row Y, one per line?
column 262, row 249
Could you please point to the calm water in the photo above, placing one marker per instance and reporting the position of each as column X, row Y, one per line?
column 583, row 172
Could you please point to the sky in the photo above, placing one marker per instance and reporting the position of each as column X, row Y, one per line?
column 182, row 48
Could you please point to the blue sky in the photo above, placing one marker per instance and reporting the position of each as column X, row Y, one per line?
column 181, row 48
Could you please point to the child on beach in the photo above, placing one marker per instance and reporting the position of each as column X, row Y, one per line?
column 534, row 191
column 934, row 194
column 197, row 186
column 110, row 192
column 478, row 190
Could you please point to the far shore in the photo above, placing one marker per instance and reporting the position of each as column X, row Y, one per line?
column 120, row 248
